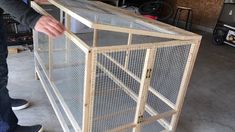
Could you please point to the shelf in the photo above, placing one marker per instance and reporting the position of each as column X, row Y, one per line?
column 19, row 34
column 29, row 42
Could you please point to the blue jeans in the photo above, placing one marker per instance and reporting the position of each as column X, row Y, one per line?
column 8, row 120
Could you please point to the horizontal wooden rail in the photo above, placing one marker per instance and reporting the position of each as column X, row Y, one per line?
column 114, row 114
column 144, row 122
column 117, row 48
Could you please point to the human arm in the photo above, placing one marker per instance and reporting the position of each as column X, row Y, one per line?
column 22, row 12
column 27, row 16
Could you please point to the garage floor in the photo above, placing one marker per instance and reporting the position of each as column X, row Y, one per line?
column 209, row 105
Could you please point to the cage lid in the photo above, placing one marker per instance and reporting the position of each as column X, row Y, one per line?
column 102, row 16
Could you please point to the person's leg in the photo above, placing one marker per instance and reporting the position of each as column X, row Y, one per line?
column 8, row 120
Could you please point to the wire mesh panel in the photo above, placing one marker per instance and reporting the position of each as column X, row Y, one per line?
column 108, row 38
column 68, row 67
column 152, row 127
column 143, row 39
column 168, row 70
column 156, row 105
column 135, row 61
column 42, row 49
column 116, row 89
column 50, row 90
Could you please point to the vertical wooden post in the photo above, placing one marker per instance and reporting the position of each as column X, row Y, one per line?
column 95, row 35
column 68, row 21
column 67, row 43
column 50, row 52
column 35, row 48
column 143, row 92
column 129, row 42
column 184, row 83
column 128, row 52
column 89, row 84
column 61, row 16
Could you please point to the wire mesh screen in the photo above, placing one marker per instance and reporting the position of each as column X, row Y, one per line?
column 152, row 127
column 68, row 67
column 153, row 107
column 142, row 39
column 156, row 105
column 116, row 89
column 108, row 38
column 135, row 62
column 50, row 89
column 42, row 49
column 168, row 70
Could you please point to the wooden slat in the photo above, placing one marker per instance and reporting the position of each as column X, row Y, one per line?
column 67, row 41
column 184, row 83
column 130, row 37
column 87, row 104
column 95, row 37
column 90, row 93
column 35, row 47
column 142, row 46
column 144, row 85
column 145, row 121
column 122, row 128
column 50, row 60
column 157, row 117
column 13, row 50
column 105, row 117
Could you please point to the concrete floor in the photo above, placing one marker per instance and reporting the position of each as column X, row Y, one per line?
column 23, row 85
column 209, row 105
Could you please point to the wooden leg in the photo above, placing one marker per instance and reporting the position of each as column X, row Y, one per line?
column 36, row 76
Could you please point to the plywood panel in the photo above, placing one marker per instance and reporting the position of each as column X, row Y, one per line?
column 205, row 12
column 211, row 12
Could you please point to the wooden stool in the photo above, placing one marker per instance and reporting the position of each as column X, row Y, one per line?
column 189, row 17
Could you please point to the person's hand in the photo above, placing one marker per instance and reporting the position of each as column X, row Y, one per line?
column 49, row 26
column 41, row 1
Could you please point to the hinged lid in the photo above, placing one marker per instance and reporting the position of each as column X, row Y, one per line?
column 98, row 15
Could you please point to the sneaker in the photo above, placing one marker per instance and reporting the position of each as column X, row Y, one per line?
column 35, row 128
column 19, row 104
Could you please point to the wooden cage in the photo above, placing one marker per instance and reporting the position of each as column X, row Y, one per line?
column 123, row 73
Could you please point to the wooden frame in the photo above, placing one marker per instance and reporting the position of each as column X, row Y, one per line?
column 92, row 65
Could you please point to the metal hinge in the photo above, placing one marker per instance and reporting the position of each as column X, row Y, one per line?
column 140, row 119
column 148, row 73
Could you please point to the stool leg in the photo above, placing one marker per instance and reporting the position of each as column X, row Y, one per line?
column 188, row 17
column 176, row 13
column 177, row 23
column 191, row 19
